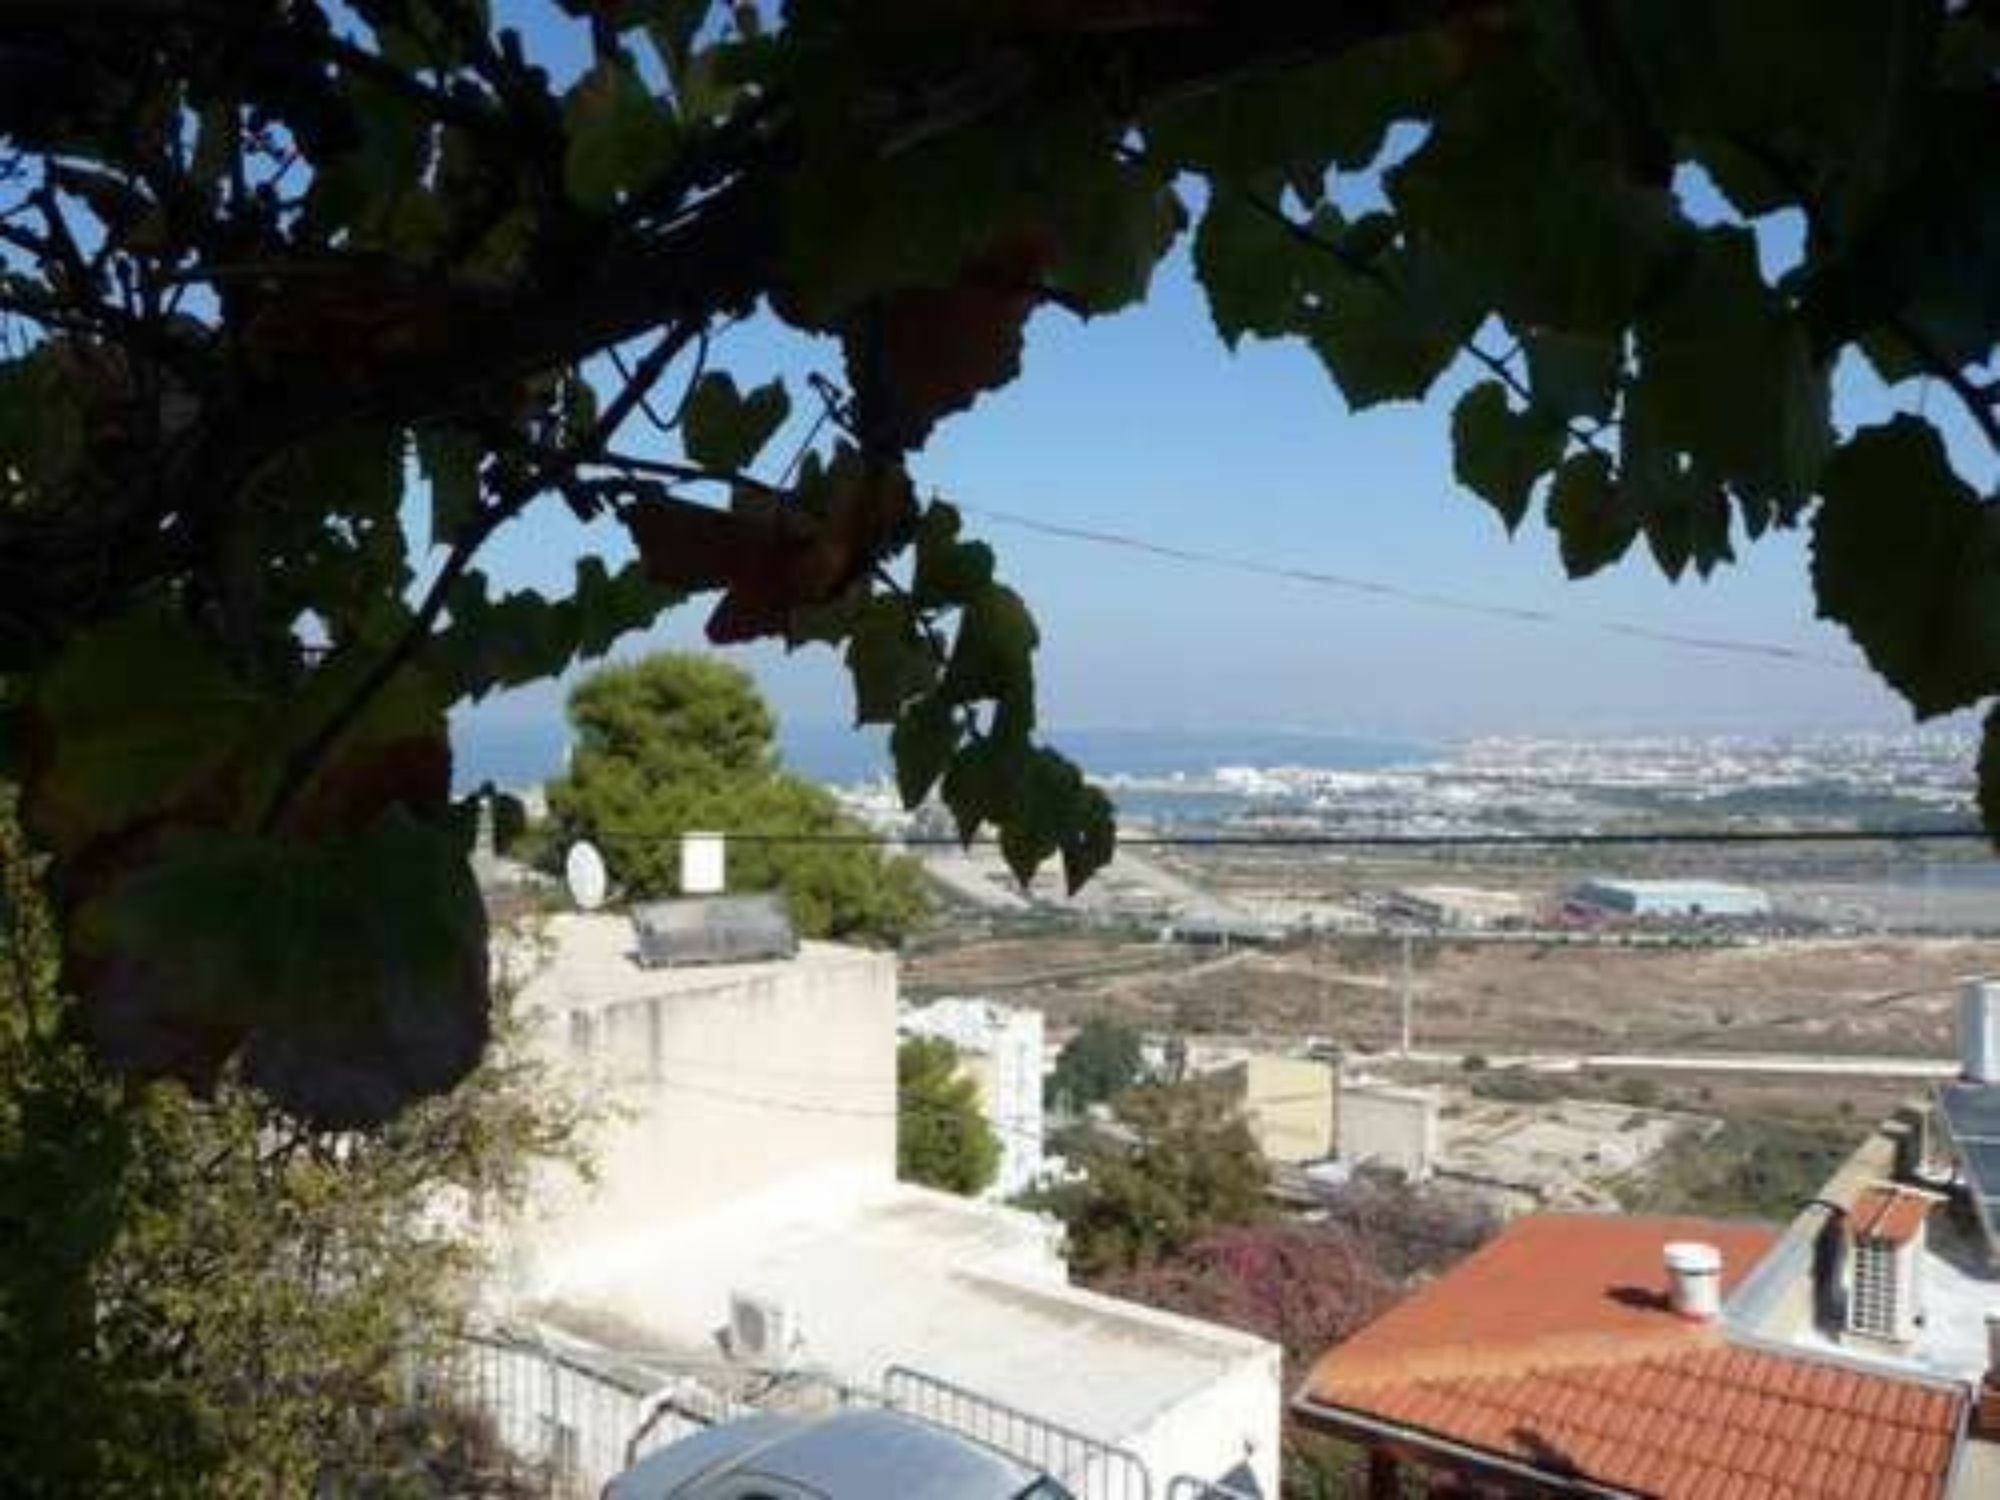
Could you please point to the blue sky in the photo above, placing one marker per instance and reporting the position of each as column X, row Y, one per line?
column 1145, row 423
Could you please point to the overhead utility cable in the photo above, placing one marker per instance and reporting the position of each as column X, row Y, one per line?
column 1430, row 599
column 1587, row 838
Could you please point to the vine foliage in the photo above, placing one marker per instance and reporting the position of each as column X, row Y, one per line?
column 278, row 275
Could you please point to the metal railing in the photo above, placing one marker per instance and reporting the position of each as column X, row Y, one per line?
column 556, row 1412
column 1090, row 1468
column 578, row 1416
column 1187, row 1487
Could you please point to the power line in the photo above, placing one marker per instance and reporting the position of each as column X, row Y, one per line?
column 1586, row 838
column 793, row 1105
column 1377, row 588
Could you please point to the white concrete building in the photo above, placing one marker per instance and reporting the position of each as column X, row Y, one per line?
column 746, row 1213
column 1000, row 1049
column 1386, row 1125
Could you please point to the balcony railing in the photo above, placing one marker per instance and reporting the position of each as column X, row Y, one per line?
column 1090, row 1468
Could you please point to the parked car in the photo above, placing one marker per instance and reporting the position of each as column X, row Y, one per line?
column 849, row 1455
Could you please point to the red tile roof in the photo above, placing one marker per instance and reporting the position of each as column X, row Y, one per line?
column 1555, row 1346
column 1890, row 1214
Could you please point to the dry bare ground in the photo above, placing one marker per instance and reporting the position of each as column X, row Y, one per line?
column 1887, row 995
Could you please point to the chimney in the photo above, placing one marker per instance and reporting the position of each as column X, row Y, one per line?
column 1694, row 1279
column 704, row 861
column 1979, row 1031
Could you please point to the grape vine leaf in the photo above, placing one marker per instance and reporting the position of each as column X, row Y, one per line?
column 1726, row 373
column 1593, row 522
column 1313, row 116
column 354, row 965
column 921, row 745
column 135, row 718
column 1043, row 812
column 888, row 660
column 1558, row 236
column 1388, row 334
column 1249, row 264
column 1906, row 557
column 980, row 782
column 620, row 135
column 725, row 429
column 1499, row 453
column 1572, row 375
column 990, row 658
column 948, row 571
column 1091, row 839
column 929, row 351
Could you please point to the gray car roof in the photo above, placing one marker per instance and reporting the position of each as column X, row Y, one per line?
column 851, row 1455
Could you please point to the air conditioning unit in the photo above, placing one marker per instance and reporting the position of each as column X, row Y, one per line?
column 1885, row 1250
column 762, row 1331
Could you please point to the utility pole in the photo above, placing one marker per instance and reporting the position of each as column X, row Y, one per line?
column 1406, row 994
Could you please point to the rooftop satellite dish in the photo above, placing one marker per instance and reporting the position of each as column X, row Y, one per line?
column 584, row 874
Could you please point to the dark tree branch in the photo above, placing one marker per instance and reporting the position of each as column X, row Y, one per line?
column 302, row 765
column 684, row 473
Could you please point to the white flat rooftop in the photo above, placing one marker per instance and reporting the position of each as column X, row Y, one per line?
column 900, row 1275
column 589, row 960
column 1957, row 1294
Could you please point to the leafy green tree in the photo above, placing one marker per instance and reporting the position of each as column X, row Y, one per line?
column 1101, row 1061
column 210, row 1297
column 1184, row 1164
column 1752, row 1168
column 257, row 258
column 942, row 1138
column 678, row 742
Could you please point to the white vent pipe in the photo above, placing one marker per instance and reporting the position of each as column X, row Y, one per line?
column 1694, row 1279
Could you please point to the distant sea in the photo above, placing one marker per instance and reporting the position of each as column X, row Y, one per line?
column 522, row 755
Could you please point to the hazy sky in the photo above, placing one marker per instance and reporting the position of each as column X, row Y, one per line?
column 1144, row 423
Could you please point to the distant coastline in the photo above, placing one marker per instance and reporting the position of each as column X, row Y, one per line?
column 523, row 755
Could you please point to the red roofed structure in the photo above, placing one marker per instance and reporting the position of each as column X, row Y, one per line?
column 1554, row 1360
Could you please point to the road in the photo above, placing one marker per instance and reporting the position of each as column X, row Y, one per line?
column 1803, row 1063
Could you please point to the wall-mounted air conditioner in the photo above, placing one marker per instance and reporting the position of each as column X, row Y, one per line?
column 762, row 1331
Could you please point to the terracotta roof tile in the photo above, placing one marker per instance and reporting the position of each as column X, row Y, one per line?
column 1554, row 1345
column 1889, row 1214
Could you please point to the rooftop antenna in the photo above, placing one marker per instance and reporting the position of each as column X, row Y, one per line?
column 585, row 875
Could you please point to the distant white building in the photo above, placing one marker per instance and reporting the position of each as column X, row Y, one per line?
column 1467, row 908
column 1000, row 1049
column 1673, row 898
column 1387, row 1125
column 746, row 1217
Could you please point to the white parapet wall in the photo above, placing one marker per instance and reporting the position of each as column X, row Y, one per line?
column 711, row 1084
column 1236, row 1417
